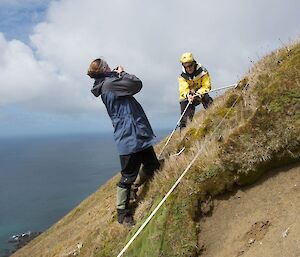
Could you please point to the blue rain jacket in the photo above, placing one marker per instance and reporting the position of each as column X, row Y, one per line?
column 132, row 130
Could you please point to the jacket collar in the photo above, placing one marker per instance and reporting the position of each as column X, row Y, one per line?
column 99, row 80
column 199, row 72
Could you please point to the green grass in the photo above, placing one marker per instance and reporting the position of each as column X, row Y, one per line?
column 260, row 132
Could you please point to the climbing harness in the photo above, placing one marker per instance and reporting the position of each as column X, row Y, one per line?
column 177, row 181
column 177, row 124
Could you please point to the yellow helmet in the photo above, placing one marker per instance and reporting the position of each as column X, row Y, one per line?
column 186, row 57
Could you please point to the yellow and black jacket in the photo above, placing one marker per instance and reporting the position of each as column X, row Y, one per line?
column 197, row 82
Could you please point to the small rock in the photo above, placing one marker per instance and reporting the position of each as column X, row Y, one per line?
column 251, row 241
column 241, row 252
column 74, row 252
column 285, row 233
column 207, row 206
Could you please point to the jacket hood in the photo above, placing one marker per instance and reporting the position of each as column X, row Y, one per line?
column 99, row 81
column 96, row 90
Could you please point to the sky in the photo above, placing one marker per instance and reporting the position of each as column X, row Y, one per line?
column 46, row 47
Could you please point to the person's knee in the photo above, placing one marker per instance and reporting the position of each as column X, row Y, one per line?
column 126, row 181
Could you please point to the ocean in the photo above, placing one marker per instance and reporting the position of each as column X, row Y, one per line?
column 42, row 178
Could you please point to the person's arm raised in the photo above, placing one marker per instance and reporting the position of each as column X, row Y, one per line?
column 127, row 84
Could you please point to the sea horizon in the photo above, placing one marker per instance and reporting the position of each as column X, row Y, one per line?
column 43, row 177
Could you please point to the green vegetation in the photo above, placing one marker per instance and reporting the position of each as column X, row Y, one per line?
column 247, row 132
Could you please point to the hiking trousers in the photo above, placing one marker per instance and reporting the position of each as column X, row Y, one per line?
column 206, row 101
column 131, row 174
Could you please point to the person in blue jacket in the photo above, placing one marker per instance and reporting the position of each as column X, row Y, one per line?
column 132, row 131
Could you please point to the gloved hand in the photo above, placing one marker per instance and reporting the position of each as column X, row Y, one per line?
column 190, row 97
column 119, row 69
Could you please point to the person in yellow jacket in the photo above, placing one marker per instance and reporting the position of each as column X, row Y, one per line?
column 194, row 85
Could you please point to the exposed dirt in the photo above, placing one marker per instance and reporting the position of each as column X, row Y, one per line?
column 262, row 220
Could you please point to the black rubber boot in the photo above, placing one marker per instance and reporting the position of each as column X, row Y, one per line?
column 125, row 217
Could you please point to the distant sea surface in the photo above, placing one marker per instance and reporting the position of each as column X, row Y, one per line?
column 42, row 178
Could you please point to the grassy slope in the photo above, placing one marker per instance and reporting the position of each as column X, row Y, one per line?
column 260, row 132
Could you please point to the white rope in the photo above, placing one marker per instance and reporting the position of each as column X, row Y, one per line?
column 169, row 138
column 175, row 185
column 221, row 88
column 176, row 154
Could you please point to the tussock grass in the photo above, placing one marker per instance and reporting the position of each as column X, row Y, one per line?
column 260, row 131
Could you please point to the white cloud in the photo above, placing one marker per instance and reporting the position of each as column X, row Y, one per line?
column 20, row 76
column 36, row 84
column 147, row 37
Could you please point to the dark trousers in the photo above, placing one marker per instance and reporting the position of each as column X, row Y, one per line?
column 131, row 164
column 206, row 101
